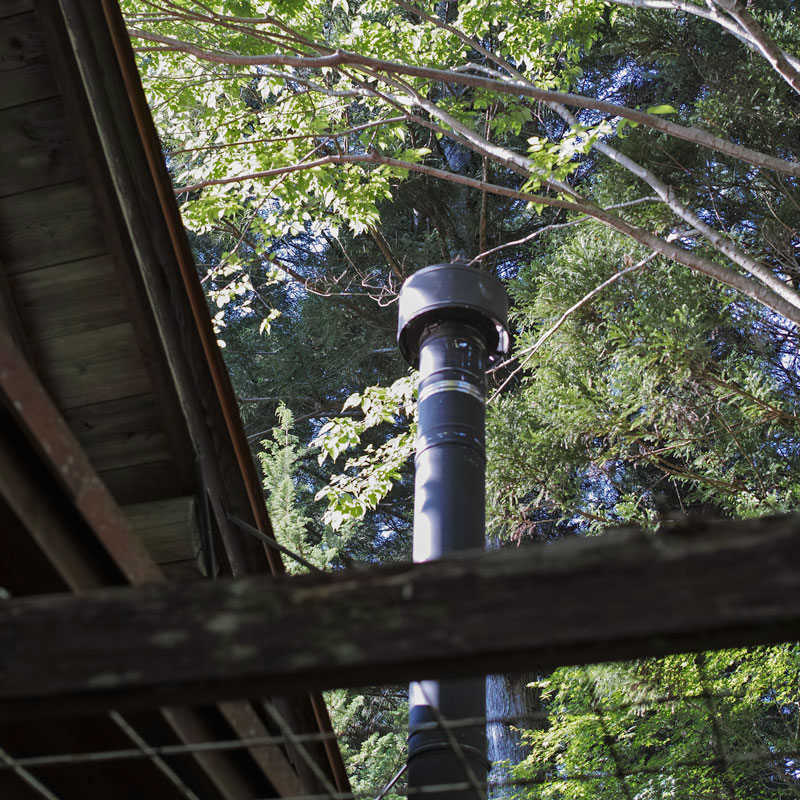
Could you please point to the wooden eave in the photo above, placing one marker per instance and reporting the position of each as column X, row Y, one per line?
column 122, row 454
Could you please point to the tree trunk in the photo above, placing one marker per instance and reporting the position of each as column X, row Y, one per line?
column 511, row 707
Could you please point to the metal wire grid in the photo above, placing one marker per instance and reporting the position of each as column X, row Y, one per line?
column 22, row 766
column 156, row 759
column 6, row 761
column 720, row 759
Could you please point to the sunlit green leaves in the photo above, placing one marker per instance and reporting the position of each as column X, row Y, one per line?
column 662, row 109
column 700, row 725
column 545, row 35
column 368, row 477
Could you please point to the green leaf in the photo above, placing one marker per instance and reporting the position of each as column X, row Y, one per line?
column 662, row 109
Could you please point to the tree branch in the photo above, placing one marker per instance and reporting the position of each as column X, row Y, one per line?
column 777, row 58
column 383, row 246
column 671, row 200
column 531, row 351
column 277, row 139
column 340, row 58
column 751, row 35
column 557, row 226
column 750, row 288
column 724, row 245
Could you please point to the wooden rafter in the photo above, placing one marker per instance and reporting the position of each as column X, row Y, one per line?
column 41, row 425
column 62, row 457
column 624, row 595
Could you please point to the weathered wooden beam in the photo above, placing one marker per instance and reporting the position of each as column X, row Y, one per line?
column 104, row 102
column 40, row 422
column 99, row 82
column 167, row 528
column 40, row 536
column 623, row 595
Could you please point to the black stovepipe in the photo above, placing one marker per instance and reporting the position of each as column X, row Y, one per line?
column 452, row 322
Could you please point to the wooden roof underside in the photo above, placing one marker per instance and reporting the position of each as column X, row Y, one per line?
column 121, row 454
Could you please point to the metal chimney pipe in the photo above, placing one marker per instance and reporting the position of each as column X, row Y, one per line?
column 452, row 324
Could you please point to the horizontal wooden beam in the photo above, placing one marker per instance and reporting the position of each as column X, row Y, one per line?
column 623, row 595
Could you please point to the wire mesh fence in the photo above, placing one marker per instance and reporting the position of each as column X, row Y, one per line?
column 723, row 725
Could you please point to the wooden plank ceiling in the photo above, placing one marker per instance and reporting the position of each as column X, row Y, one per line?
column 64, row 282
column 121, row 454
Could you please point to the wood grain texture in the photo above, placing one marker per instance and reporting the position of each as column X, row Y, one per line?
column 30, row 247
column 37, row 147
column 49, row 226
column 38, row 421
column 120, row 433
column 146, row 482
column 85, row 68
column 10, row 7
column 164, row 275
column 68, row 298
column 61, row 460
column 167, row 528
column 624, row 595
column 25, row 72
column 91, row 367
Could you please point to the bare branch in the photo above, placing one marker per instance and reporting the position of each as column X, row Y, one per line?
column 778, row 59
column 672, row 201
column 547, row 228
column 474, row 141
column 319, row 414
column 750, row 35
column 383, row 246
column 724, row 245
column 277, row 139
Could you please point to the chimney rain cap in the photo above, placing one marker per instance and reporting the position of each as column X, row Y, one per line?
column 452, row 293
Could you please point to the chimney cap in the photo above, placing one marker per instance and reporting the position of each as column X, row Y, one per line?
column 452, row 293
